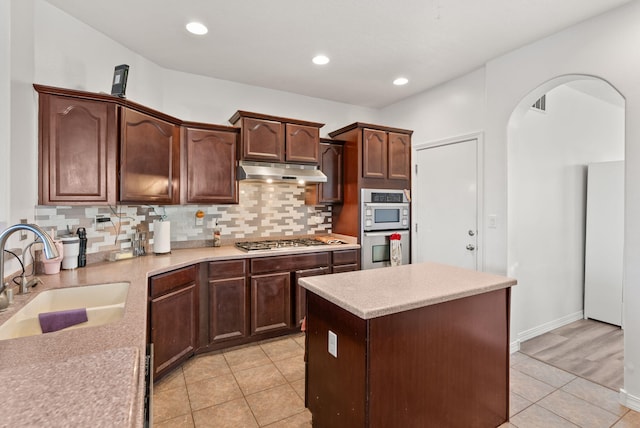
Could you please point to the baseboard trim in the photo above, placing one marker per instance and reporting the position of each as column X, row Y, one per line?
column 629, row 400
column 544, row 328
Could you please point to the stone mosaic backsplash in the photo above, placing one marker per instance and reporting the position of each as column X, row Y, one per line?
column 264, row 211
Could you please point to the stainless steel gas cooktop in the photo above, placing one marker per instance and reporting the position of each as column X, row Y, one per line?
column 278, row 244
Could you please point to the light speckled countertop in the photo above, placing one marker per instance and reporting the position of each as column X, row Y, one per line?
column 71, row 356
column 377, row 292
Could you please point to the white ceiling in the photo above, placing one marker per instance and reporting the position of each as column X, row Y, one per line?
column 370, row 42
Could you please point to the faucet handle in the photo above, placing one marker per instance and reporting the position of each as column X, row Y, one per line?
column 4, row 299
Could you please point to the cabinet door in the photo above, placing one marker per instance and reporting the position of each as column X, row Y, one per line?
column 150, row 159
column 262, row 140
column 228, row 313
column 374, row 153
column 173, row 328
column 331, row 161
column 301, row 294
column 270, row 302
column 78, row 151
column 210, row 166
column 399, row 156
column 301, row 143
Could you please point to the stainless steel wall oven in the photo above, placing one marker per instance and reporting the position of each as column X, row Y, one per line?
column 384, row 212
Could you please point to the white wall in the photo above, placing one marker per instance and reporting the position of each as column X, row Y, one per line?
column 606, row 47
column 24, row 154
column 548, row 154
column 451, row 109
column 5, row 107
column 203, row 99
column 70, row 54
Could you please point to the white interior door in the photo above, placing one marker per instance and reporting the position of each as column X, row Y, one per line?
column 446, row 204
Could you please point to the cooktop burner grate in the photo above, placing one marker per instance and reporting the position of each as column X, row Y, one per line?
column 278, row 244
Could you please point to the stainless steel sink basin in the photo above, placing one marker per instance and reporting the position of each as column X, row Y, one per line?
column 104, row 304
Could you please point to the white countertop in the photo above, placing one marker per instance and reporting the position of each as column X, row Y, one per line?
column 377, row 292
column 61, row 361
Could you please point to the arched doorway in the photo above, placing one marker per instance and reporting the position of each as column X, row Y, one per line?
column 548, row 154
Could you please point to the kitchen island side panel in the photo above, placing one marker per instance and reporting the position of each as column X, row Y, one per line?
column 335, row 387
column 444, row 365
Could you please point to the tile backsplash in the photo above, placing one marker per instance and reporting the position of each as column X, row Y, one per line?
column 264, row 210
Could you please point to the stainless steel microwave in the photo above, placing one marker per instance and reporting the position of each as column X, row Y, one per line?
column 384, row 209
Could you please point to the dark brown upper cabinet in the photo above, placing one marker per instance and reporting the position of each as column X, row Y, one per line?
column 78, row 146
column 301, row 143
column 276, row 139
column 209, row 164
column 262, row 140
column 375, row 157
column 374, row 154
column 386, row 155
column 331, row 164
column 149, row 159
column 399, row 156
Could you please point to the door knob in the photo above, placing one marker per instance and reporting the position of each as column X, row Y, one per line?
column 471, row 247
column 472, row 232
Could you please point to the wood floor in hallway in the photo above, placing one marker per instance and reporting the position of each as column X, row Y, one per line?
column 589, row 349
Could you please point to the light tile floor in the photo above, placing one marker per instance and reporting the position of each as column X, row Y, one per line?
column 262, row 385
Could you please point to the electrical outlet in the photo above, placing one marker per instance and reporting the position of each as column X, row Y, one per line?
column 23, row 233
column 101, row 220
column 333, row 344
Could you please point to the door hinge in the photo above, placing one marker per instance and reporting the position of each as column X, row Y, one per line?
column 416, row 169
column 416, row 227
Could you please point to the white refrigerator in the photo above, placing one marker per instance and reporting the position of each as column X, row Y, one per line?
column 604, row 242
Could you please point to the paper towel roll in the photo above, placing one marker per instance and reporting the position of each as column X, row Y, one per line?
column 161, row 237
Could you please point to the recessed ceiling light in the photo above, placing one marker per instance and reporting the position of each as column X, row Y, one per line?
column 320, row 59
column 401, row 81
column 197, row 28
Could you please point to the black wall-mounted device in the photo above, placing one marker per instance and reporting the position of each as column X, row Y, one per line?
column 119, row 86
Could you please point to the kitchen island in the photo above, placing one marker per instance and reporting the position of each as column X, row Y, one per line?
column 412, row 346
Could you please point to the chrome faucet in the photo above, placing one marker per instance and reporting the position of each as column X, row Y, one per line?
column 50, row 250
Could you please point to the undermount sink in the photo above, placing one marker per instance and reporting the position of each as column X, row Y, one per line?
column 104, row 304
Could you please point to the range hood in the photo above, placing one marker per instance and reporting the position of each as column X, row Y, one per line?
column 287, row 172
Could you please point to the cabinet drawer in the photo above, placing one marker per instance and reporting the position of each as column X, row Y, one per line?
column 345, row 268
column 289, row 263
column 163, row 283
column 227, row 269
column 345, row 257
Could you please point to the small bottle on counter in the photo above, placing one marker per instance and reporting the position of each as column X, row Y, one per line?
column 82, row 253
column 216, row 235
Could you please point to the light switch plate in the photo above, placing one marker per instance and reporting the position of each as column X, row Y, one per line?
column 23, row 233
column 333, row 344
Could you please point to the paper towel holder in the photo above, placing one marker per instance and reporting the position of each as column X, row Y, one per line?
column 161, row 237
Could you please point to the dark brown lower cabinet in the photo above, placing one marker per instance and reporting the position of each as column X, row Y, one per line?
column 228, row 301
column 345, row 260
column 444, row 365
column 270, row 302
column 275, row 303
column 173, row 318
